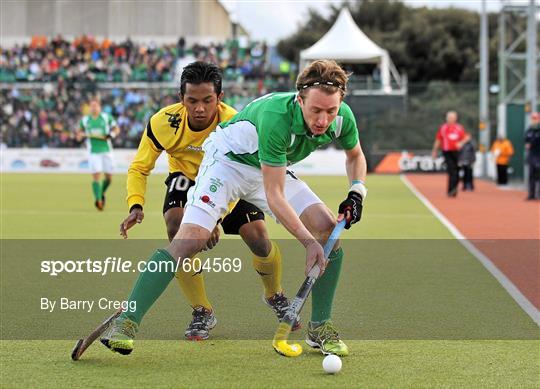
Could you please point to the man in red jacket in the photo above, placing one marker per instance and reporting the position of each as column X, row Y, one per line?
column 450, row 138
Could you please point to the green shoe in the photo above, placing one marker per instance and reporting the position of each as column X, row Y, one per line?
column 119, row 336
column 326, row 338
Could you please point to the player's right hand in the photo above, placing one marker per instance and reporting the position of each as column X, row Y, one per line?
column 315, row 256
column 136, row 216
column 214, row 239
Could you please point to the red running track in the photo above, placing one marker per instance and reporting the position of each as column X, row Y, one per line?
column 499, row 222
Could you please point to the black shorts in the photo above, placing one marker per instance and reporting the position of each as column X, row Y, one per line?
column 241, row 214
column 176, row 195
column 177, row 188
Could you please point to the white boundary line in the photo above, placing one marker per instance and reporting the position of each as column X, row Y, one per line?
column 512, row 290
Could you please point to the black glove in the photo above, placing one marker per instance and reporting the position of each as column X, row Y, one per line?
column 351, row 208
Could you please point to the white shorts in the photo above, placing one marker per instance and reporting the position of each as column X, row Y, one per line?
column 221, row 181
column 101, row 162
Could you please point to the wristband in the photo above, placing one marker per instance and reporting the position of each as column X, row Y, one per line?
column 135, row 206
column 359, row 188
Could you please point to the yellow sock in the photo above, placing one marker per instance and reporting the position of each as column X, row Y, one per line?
column 192, row 284
column 269, row 268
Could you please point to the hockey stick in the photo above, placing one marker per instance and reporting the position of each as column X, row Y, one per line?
column 285, row 326
column 83, row 344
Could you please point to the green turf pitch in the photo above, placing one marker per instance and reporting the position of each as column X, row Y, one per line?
column 396, row 285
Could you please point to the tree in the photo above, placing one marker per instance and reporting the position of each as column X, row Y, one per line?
column 428, row 44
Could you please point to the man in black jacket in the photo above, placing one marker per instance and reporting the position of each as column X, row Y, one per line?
column 467, row 158
column 532, row 145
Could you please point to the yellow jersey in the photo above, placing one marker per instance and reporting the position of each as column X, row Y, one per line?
column 168, row 130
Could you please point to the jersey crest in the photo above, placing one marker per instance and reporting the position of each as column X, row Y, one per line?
column 174, row 120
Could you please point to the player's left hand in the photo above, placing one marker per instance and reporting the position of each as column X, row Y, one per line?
column 351, row 209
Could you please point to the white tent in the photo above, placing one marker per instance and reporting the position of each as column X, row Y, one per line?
column 346, row 43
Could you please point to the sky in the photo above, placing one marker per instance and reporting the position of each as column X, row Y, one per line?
column 272, row 20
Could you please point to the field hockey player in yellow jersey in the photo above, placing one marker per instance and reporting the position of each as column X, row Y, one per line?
column 180, row 130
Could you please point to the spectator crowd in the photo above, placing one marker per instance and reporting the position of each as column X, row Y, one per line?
column 46, row 85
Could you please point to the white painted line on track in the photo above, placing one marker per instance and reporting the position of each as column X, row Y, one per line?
column 508, row 285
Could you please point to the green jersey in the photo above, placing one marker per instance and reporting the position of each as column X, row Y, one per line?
column 99, row 126
column 271, row 130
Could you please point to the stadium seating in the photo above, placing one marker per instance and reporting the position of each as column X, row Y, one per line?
column 46, row 84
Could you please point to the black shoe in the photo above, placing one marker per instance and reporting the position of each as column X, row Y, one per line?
column 201, row 324
column 452, row 193
column 99, row 205
column 280, row 304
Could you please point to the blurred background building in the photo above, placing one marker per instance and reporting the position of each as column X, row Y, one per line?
column 159, row 21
